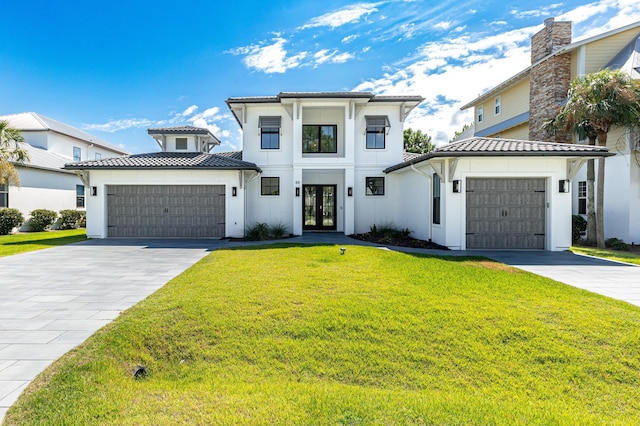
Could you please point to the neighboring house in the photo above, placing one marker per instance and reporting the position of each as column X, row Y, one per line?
column 518, row 107
column 45, row 184
column 334, row 162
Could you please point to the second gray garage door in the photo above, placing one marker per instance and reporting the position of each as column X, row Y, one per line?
column 505, row 213
column 187, row 211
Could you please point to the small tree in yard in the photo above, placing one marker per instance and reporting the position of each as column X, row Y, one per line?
column 600, row 101
column 11, row 151
column 417, row 142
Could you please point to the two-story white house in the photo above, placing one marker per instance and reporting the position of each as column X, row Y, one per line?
column 334, row 162
column 45, row 184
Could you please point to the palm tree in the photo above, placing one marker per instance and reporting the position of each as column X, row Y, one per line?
column 11, row 152
column 596, row 103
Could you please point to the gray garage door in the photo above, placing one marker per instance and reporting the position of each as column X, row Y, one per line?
column 505, row 213
column 166, row 211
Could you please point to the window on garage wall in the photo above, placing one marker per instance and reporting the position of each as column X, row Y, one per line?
column 80, row 196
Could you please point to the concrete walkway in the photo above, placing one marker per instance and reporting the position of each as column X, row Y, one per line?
column 52, row 300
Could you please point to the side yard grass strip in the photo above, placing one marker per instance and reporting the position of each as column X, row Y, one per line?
column 30, row 241
column 620, row 256
column 304, row 335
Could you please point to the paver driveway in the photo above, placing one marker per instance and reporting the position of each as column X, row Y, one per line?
column 52, row 300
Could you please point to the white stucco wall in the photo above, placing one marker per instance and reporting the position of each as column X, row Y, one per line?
column 97, row 207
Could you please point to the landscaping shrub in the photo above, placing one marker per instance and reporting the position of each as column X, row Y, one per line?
column 277, row 231
column 41, row 219
column 9, row 219
column 616, row 244
column 258, row 232
column 579, row 227
column 71, row 219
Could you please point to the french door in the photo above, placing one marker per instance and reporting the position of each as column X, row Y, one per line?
column 319, row 207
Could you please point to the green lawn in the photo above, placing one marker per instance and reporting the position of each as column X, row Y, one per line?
column 304, row 335
column 30, row 241
column 621, row 256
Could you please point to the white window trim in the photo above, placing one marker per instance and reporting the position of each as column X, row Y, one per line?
column 497, row 106
column 480, row 114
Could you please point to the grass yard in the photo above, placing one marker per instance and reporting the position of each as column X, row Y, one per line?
column 30, row 241
column 303, row 335
column 621, row 256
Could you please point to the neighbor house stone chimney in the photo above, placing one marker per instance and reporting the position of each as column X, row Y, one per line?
column 550, row 78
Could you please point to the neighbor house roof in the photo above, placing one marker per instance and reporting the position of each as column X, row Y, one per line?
column 180, row 130
column 166, row 161
column 40, row 158
column 34, row 122
column 525, row 73
column 490, row 147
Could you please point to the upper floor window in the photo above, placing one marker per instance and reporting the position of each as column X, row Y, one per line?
column 436, row 199
column 582, row 197
column 319, row 139
column 80, row 196
column 76, row 153
column 181, row 144
column 98, row 156
column 375, row 186
column 480, row 114
column 497, row 105
column 270, row 186
column 269, row 132
column 376, row 130
column 4, row 195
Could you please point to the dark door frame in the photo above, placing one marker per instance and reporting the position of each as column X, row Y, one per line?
column 319, row 226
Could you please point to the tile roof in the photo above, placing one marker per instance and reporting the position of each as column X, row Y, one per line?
column 323, row 95
column 493, row 147
column 178, row 130
column 167, row 160
column 237, row 155
column 31, row 121
column 40, row 158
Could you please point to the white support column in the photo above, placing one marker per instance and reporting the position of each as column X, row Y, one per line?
column 349, row 202
column 297, row 201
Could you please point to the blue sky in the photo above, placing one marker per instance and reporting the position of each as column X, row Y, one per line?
column 117, row 68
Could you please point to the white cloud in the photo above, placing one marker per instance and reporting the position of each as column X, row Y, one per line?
column 346, row 15
column 444, row 25
column 116, row 125
column 189, row 110
column 271, row 58
column 342, row 58
column 323, row 56
column 545, row 11
column 349, row 39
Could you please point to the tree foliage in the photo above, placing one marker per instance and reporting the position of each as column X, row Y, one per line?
column 11, row 152
column 417, row 142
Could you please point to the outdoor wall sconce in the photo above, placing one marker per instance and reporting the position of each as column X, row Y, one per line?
column 234, row 191
column 297, row 191
column 563, row 185
column 350, row 191
column 456, row 185
column 94, row 190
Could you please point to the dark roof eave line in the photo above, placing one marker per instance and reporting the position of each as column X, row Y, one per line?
column 255, row 169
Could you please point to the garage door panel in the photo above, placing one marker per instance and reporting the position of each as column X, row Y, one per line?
column 166, row 211
column 505, row 213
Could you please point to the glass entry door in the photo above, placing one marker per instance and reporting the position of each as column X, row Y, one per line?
column 319, row 207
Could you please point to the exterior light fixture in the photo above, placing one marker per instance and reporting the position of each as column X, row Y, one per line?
column 234, row 191
column 297, row 191
column 94, row 191
column 350, row 191
column 456, row 185
column 563, row 185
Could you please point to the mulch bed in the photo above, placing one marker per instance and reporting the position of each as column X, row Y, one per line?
column 401, row 241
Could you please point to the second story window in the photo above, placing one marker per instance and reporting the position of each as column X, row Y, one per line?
column 98, row 156
column 318, row 139
column 480, row 114
column 497, row 104
column 181, row 144
column 269, row 132
column 376, row 130
column 76, row 153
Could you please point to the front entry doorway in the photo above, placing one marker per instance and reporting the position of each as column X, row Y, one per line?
column 319, row 207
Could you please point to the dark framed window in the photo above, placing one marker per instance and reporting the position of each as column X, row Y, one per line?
column 269, row 132
column 480, row 114
column 76, row 153
column 435, row 213
column 181, row 144
column 497, row 104
column 375, row 186
column 318, row 139
column 582, row 197
column 270, row 186
column 4, row 195
column 377, row 126
column 80, row 196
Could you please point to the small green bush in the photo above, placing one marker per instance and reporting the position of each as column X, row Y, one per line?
column 277, row 231
column 616, row 244
column 41, row 219
column 258, row 232
column 71, row 219
column 579, row 227
column 9, row 219
column 388, row 230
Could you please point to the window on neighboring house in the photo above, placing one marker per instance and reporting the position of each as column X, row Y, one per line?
column 80, row 196
column 4, row 195
column 181, row 144
column 98, row 156
column 318, row 139
column 76, row 153
column 480, row 114
column 376, row 130
column 497, row 105
column 582, row 197
column 269, row 132
column 270, row 186
column 436, row 199
column 375, row 186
